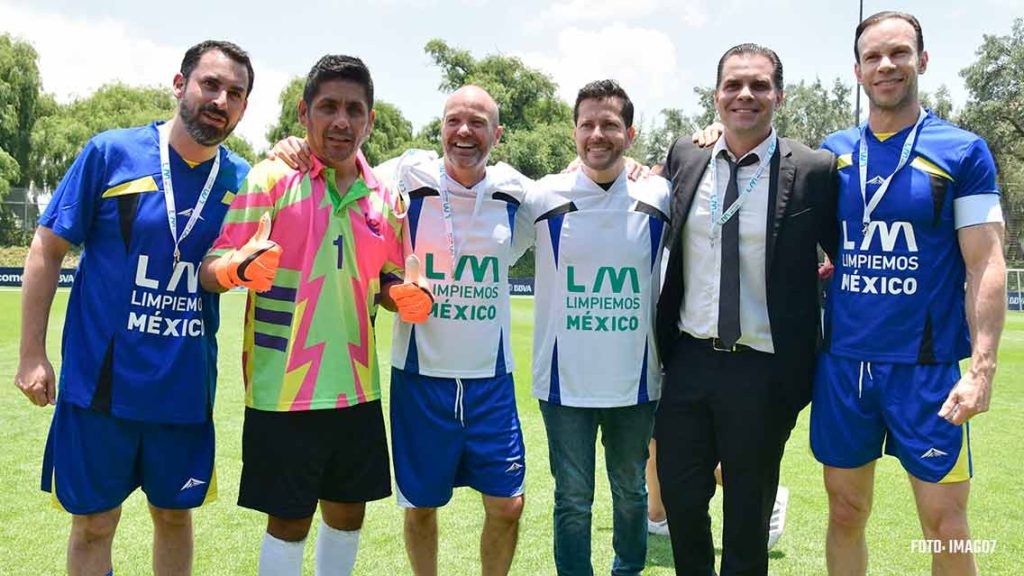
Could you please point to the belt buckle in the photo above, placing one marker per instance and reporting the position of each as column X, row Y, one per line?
column 717, row 347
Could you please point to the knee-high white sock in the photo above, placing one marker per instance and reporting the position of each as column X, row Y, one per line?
column 336, row 551
column 281, row 558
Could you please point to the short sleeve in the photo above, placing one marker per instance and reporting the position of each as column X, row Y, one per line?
column 977, row 174
column 975, row 192
column 73, row 206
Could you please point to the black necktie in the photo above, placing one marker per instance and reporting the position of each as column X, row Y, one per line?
column 729, row 287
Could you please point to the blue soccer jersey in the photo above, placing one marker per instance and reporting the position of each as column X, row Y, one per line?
column 139, row 338
column 898, row 290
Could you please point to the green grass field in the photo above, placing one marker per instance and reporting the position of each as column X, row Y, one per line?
column 33, row 535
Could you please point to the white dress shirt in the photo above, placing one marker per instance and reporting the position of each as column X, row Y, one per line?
column 702, row 258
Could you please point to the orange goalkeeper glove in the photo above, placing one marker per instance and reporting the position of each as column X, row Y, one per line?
column 412, row 297
column 254, row 265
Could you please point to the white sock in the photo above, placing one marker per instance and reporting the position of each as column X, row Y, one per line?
column 280, row 558
column 336, row 551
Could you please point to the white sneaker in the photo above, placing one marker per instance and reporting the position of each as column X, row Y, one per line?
column 778, row 519
column 657, row 528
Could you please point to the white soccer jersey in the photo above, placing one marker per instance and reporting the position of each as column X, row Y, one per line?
column 467, row 332
column 598, row 275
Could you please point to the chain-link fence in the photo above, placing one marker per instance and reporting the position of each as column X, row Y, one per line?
column 19, row 212
column 20, row 205
column 1013, row 213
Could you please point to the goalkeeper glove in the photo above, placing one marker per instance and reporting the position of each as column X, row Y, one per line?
column 412, row 297
column 254, row 265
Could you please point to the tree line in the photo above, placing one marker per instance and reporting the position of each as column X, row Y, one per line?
column 40, row 137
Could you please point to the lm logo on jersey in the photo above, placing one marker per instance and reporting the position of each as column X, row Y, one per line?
column 875, row 266
column 887, row 233
column 615, row 278
column 156, row 304
column 183, row 270
column 477, row 267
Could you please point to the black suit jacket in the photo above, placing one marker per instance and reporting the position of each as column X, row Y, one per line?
column 802, row 195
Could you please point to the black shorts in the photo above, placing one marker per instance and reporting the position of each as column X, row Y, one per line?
column 291, row 460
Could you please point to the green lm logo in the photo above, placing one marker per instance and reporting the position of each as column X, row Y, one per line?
column 478, row 267
column 615, row 277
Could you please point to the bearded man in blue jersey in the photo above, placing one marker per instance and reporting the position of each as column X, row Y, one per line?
column 139, row 350
column 919, row 285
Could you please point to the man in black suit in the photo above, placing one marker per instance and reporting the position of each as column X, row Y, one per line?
column 738, row 318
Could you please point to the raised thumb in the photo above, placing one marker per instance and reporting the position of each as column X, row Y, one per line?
column 412, row 269
column 263, row 230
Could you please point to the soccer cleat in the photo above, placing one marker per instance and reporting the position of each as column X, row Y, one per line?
column 657, row 528
column 778, row 519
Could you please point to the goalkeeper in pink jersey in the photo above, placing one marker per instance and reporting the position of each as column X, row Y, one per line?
column 314, row 429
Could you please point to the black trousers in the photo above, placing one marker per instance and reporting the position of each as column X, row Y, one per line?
column 720, row 407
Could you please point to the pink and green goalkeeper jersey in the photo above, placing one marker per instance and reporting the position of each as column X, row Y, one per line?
column 309, row 342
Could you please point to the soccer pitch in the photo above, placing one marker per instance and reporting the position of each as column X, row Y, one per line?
column 33, row 536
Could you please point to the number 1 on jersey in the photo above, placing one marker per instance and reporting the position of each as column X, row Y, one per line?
column 340, row 243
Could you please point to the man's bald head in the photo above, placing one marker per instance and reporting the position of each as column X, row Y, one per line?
column 469, row 130
column 475, row 96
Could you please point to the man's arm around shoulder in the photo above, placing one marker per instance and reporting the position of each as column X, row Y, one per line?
column 678, row 154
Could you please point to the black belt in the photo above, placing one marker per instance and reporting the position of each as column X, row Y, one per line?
column 716, row 344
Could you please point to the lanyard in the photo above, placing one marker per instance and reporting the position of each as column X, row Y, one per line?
column 446, row 213
column 403, row 187
column 164, row 131
column 862, row 159
column 716, row 220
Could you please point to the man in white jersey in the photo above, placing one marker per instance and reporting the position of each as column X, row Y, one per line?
column 599, row 244
column 453, row 409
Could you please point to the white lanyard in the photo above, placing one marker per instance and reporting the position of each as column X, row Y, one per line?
column 164, row 130
column 862, row 159
column 403, row 188
column 446, row 213
column 716, row 220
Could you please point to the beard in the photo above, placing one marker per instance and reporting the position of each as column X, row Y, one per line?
column 203, row 133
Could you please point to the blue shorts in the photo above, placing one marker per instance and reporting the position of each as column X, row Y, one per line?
column 860, row 406
column 448, row 432
column 93, row 461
